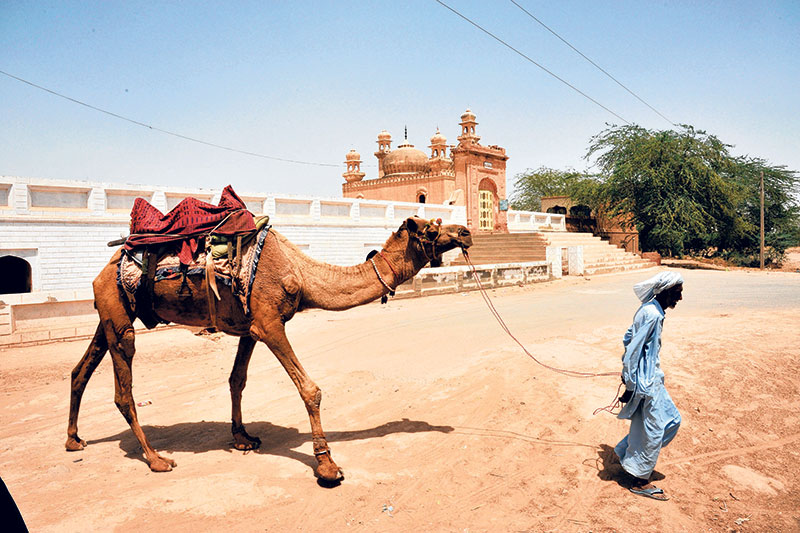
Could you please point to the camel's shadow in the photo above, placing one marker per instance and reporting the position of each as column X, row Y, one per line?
column 199, row 437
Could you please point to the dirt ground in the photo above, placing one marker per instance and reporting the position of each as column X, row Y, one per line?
column 438, row 419
column 792, row 260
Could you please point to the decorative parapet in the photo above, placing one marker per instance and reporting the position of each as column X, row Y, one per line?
column 62, row 230
column 72, row 201
column 405, row 178
column 530, row 221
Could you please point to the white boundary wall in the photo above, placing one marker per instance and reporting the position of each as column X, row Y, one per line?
column 62, row 227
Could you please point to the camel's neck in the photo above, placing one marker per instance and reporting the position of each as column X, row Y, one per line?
column 337, row 288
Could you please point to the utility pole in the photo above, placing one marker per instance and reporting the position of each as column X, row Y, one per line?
column 761, row 254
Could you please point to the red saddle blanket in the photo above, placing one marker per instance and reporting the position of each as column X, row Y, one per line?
column 187, row 221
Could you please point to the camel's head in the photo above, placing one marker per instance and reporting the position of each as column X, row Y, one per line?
column 429, row 239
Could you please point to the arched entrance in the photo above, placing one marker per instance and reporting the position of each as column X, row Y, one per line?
column 487, row 193
column 15, row 275
column 557, row 210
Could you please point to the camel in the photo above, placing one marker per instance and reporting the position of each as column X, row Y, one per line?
column 286, row 281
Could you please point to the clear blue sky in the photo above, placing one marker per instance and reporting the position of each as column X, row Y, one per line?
column 311, row 80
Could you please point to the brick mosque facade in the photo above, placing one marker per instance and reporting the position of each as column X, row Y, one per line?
column 466, row 174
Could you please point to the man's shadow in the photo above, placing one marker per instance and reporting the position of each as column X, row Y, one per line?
column 199, row 437
column 609, row 469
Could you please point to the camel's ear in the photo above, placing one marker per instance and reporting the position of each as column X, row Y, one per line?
column 411, row 225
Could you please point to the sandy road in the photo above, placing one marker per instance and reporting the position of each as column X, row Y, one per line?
column 440, row 422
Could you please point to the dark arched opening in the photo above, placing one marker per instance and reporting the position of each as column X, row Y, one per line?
column 15, row 275
column 557, row 209
column 583, row 211
column 421, row 199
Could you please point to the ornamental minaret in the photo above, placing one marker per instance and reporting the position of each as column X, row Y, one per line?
column 468, row 128
column 438, row 146
column 384, row 147
column 353, row 162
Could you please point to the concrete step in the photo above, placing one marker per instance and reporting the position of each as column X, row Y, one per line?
column 607, row 269
column 599, row 256
column 505, row 248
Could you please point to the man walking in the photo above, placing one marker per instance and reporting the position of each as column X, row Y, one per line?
column 647, row 404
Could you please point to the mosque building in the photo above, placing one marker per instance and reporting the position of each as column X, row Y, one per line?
column 466, row 174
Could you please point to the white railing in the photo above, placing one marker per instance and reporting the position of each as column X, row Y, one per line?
column 527, row 221
column 31, row 198
column 442, row 280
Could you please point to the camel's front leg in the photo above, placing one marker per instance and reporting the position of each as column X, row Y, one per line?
column 274, row 335
column 122, row 357
column 237, row 381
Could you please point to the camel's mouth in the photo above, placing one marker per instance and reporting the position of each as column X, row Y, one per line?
column 464, row 239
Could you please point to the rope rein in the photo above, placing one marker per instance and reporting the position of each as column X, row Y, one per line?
column 614, row 403
column 573, row 373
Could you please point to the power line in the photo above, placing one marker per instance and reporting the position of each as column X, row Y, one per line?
column 180, row 136
column 556, row 76
column 601, row 69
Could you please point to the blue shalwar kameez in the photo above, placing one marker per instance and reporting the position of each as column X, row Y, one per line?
column 654, row 417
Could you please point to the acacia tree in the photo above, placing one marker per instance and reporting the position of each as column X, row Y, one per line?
column 685, row 192
column 532, row 185
column 781, row 210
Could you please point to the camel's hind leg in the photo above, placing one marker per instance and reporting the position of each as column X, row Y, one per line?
column 80, row 377
column 274, row 335
column 237, row 381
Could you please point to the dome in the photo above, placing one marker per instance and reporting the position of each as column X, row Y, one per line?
column 405, row 160
column 352, row 155
column 468, row 116
column 384, row 136
column 438, row 138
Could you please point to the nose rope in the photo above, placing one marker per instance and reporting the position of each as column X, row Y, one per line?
column 566, row 372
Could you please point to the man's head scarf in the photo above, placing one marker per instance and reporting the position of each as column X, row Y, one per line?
column 648, row 289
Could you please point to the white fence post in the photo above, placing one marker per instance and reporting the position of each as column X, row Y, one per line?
column 553, row 258
column 575, row 260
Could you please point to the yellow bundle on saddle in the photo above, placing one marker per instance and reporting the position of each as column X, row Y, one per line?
column 219, row 244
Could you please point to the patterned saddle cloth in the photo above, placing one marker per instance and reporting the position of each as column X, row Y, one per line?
column 188, row 222
column 228, row 263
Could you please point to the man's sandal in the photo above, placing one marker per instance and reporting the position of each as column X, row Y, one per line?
column 654, row 493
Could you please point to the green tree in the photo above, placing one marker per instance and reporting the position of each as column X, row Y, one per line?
column 686, row 193
column 532, row 185
column 781, row 210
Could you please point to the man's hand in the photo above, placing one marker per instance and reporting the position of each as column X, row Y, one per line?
column 626, row 396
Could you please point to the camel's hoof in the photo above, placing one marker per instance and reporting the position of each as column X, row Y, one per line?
column 245, row 442
column 75, row 444
column 331, row 483
column 329, row 473
column 162, row 464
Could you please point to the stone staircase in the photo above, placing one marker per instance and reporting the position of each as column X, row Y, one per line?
column 489, row 248
column 599, row 257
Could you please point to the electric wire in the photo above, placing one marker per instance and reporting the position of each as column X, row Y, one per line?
column 167, row 132
column 601, row 69
column 551, row 73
